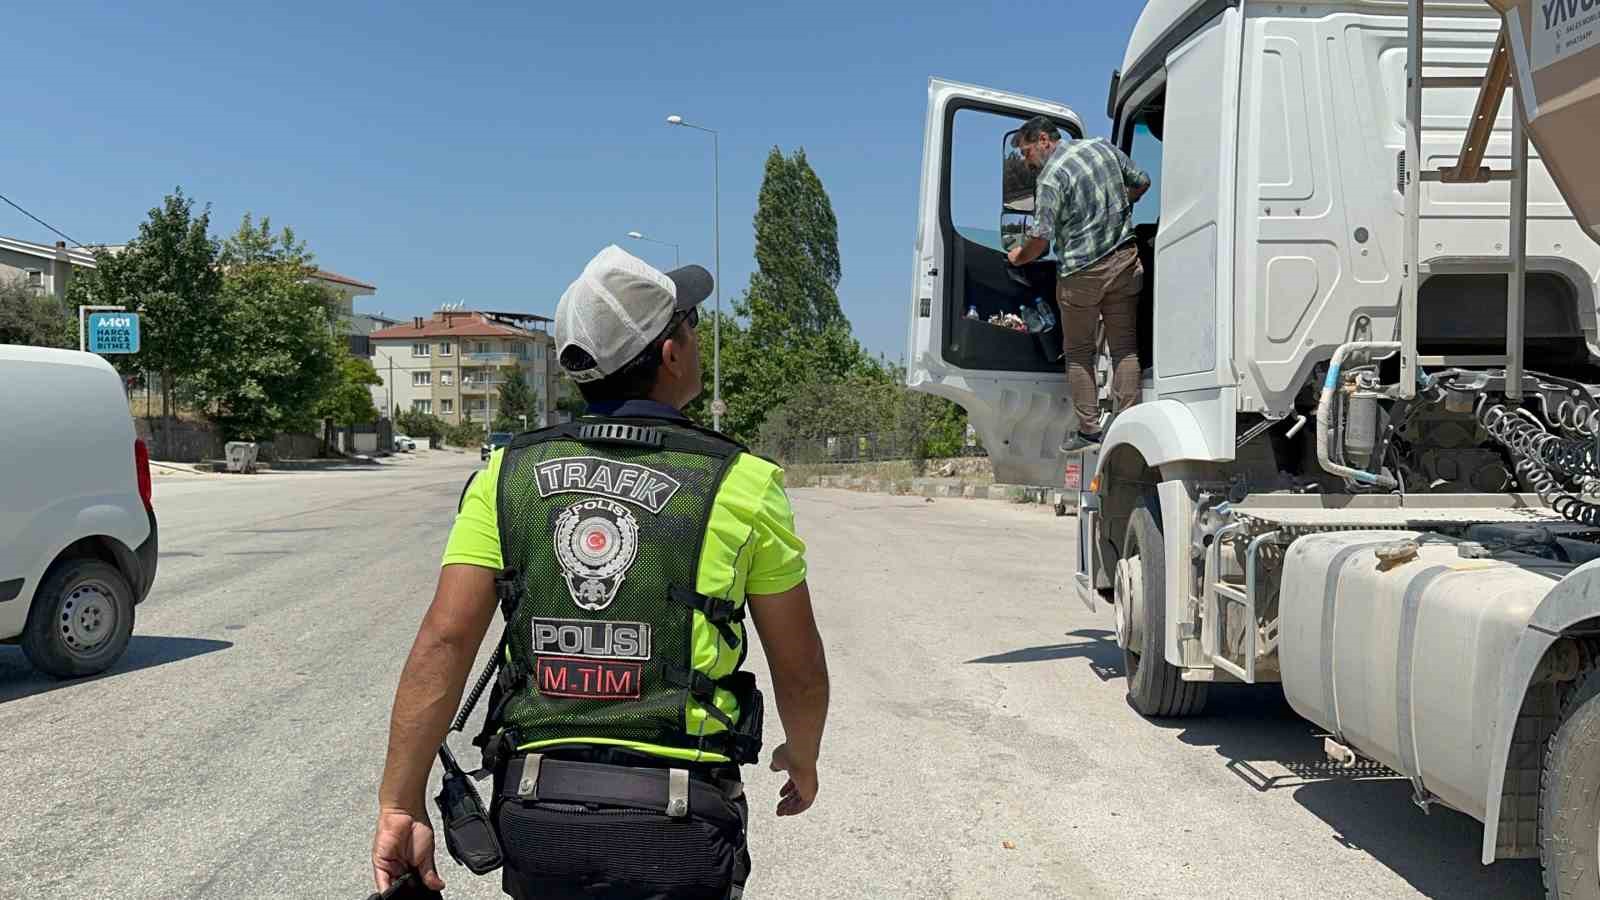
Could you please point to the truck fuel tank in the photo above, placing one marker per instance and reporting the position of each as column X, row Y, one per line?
column 1396, row 642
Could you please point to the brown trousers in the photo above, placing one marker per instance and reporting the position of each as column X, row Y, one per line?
column 1107, row 292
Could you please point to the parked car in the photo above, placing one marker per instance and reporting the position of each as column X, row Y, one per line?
column 496, row 440
column 77, row 527
column 404, row 444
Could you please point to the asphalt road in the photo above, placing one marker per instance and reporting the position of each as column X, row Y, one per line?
column 980, row 745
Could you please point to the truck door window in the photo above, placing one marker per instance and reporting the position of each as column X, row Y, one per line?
column 975, row 184
column 1144, row 146
column 997, row 316
column 1146, row 154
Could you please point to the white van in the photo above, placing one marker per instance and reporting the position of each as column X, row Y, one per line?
column 77, row 528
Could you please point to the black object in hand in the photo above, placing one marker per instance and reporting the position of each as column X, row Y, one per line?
column 408, row 887
column 468, row 833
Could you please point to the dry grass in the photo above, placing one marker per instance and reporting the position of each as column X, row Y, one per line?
column 151, row 408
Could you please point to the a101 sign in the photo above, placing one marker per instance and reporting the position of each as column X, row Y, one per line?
column 113, row 332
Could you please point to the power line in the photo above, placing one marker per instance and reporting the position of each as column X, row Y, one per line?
column 37, row 219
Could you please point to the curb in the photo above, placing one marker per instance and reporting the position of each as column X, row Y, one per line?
column 295, row 465
column 951, row 488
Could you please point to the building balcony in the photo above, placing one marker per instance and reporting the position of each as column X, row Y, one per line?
column 492, row 359
column 481, row 385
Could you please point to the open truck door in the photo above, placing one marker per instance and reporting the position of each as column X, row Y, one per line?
column 1011, row 382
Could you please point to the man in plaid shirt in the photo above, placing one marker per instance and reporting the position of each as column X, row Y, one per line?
column 1084, row 205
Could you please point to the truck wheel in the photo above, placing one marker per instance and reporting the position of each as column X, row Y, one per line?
column 1569, row 798
column 80, row 620
column 1155, row 686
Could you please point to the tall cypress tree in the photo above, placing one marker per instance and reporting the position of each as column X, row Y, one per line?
column 793, row 294
column 796, row 336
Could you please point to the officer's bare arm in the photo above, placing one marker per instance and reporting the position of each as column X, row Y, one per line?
column 799, row 668
column 430, row 688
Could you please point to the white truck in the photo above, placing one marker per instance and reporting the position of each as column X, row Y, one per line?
column 1367, row 455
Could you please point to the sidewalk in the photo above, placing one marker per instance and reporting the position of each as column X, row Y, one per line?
column 358, row 463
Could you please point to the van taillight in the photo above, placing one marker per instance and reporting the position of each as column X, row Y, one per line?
column 141, row 467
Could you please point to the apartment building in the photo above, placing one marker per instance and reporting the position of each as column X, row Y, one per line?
column 453, row 364
column 45, row 269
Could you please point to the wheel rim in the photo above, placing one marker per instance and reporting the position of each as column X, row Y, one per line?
column 88, row 617
column 1129, row 586
column 1122, row 600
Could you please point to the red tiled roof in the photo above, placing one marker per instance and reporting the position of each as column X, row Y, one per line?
column 336, row 278
column 456, row 324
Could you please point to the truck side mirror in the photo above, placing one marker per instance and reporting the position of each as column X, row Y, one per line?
column 1017, row 183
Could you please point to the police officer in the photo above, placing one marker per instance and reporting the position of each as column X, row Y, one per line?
column 623, row 550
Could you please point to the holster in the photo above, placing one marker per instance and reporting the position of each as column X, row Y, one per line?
column 468, row 832
column 746, row 736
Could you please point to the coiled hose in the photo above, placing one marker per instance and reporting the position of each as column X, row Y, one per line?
column 1543, row 459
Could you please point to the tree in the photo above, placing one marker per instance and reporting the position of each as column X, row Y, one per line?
column 350, row 401
column 787, row 334
column 569, row 401
column 254, row 243
column 28, row 317
column 517, row 400
column 276, row 358
column 419, row 424
column 793, row 294
column 169, row 274
column 875, row 408
column 467, row 434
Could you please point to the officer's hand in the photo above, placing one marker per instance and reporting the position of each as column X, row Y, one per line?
column 801, row 790
column 403, row 844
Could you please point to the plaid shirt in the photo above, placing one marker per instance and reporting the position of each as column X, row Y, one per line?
column 1081, row 203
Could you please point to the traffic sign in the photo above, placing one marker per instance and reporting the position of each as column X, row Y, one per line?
column 113, row 332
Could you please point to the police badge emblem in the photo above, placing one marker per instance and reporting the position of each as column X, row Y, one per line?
column 596, row 541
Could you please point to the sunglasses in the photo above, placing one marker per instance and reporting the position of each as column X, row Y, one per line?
column 653, row 352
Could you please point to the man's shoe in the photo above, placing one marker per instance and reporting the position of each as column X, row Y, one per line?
column 1079, row 441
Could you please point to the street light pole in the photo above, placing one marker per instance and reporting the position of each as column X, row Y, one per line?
column 716, row 239
column 676, row 261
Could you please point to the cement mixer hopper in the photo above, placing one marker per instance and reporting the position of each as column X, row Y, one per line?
column 1555, row 57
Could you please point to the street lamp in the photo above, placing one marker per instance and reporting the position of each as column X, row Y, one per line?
column 640, row 237
column 716, row 239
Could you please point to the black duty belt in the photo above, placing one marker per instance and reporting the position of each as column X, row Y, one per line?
column 674, row 792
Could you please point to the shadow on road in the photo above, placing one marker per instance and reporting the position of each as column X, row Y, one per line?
column 1369, row 808
column 1098, row 647
column 18, row 679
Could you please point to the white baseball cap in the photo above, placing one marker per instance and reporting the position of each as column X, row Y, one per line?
column 618, row 307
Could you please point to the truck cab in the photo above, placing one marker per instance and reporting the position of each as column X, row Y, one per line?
column 1272, row 232
column 1371, row 371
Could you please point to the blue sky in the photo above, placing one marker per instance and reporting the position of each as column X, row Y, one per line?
column 483, row 153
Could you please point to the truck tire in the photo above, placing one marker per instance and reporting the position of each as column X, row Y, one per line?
column 1569, row 797
column 80, row 620
column 1155, row 687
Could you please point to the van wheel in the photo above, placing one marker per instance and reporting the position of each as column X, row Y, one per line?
column 80, row 620
column 1569, row 797
column 1155, row 686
